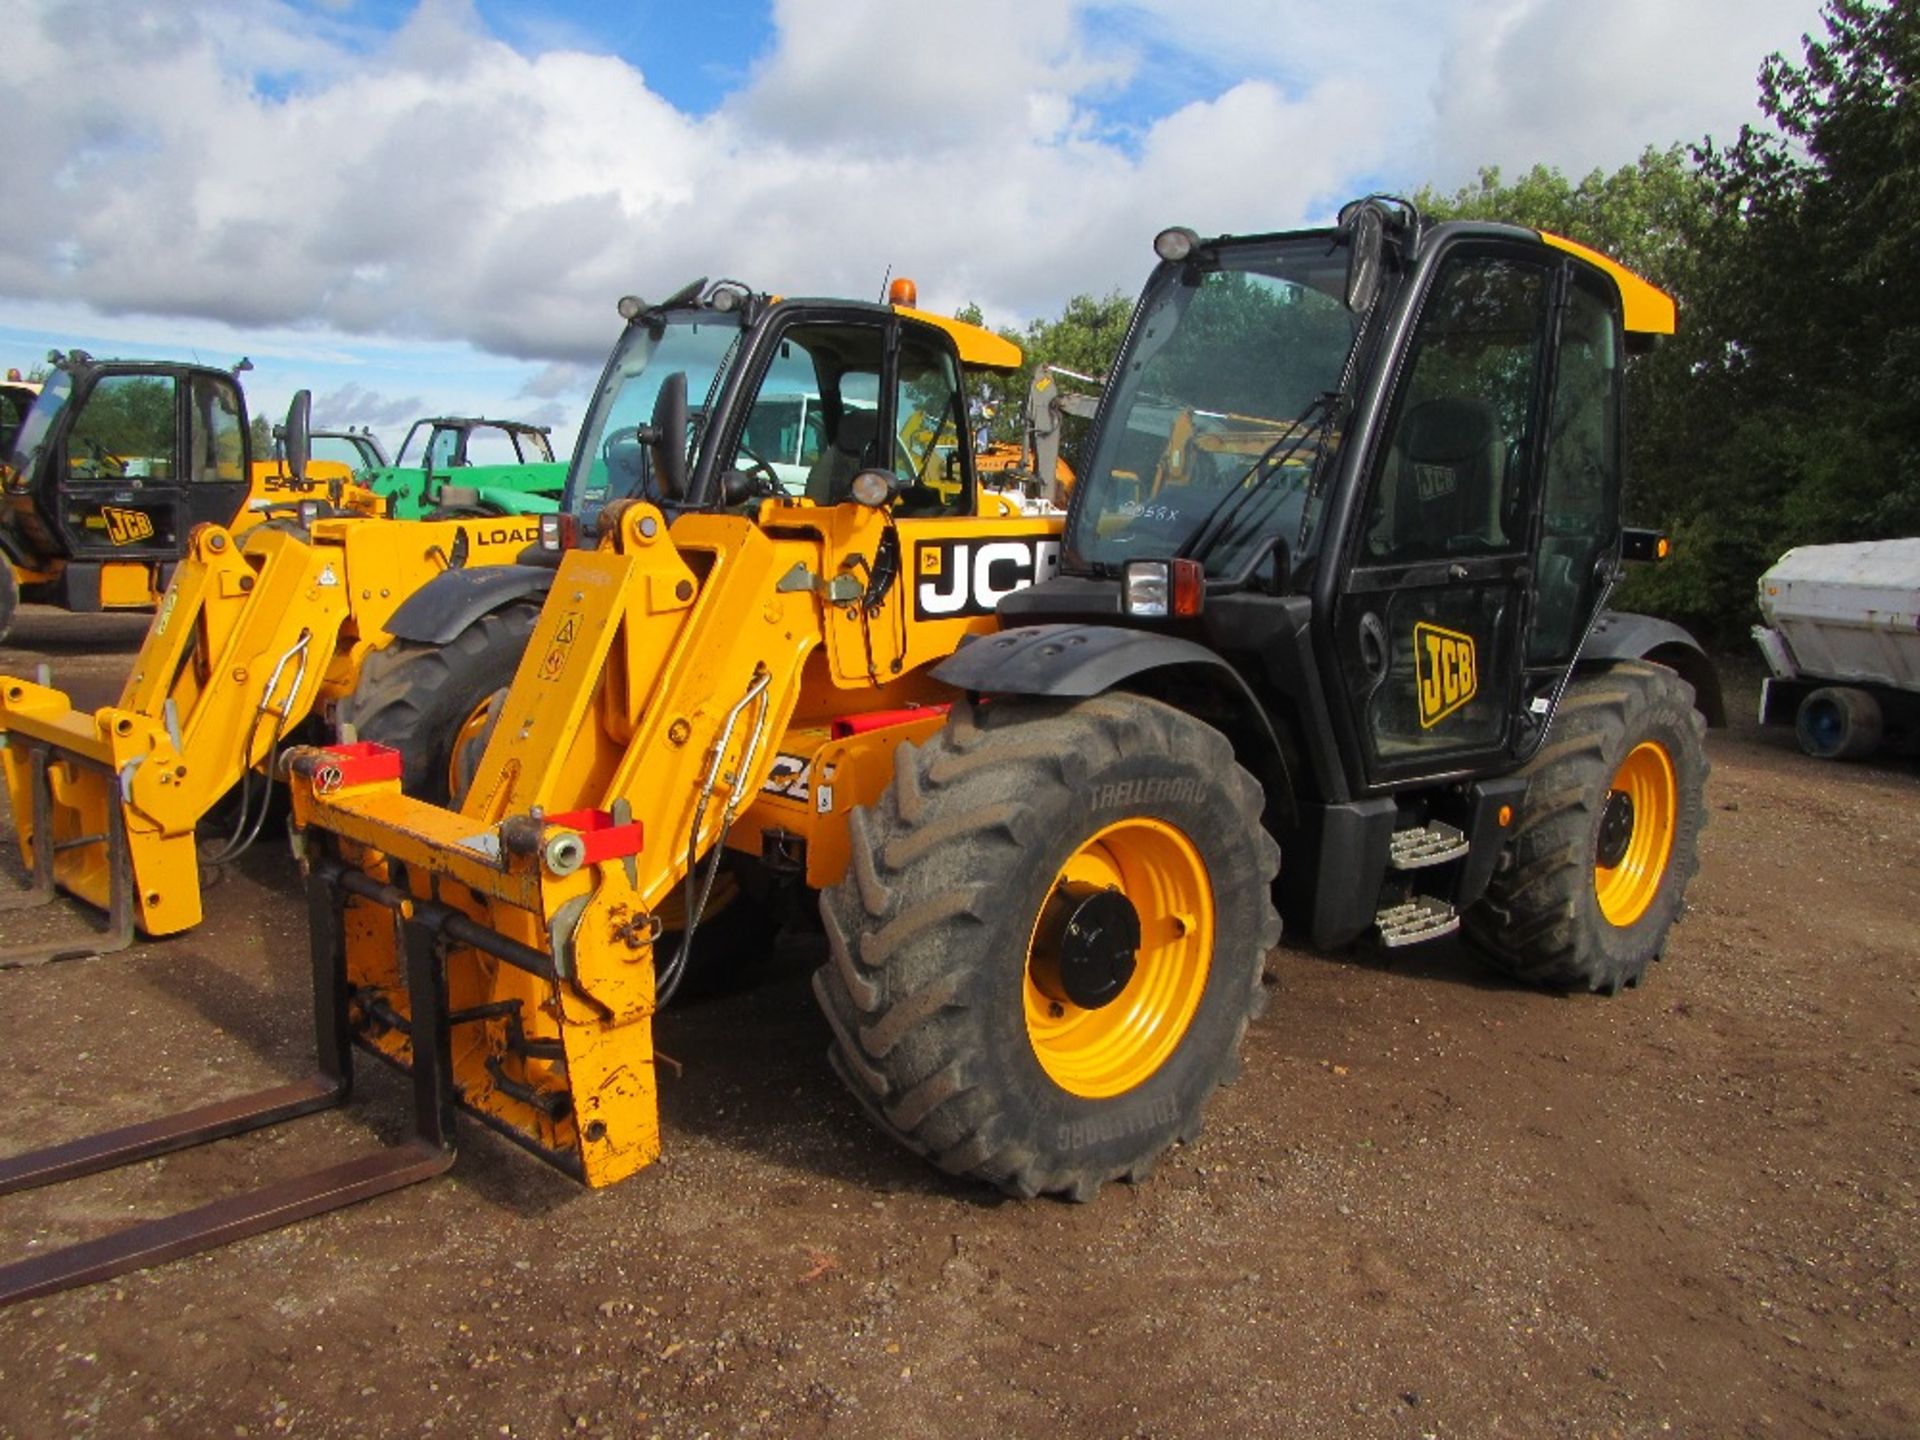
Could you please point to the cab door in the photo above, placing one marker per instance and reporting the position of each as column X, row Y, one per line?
column 216, row 463
column 119, row 493
column 1429, row 622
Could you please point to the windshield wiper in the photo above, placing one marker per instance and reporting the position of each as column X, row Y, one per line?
column 1254, row 479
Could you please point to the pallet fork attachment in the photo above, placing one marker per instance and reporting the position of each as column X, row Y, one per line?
column 428, row 1152
column 118, row 934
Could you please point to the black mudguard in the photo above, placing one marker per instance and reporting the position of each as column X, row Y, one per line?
column 454, row 599
column 1622, row 635
column 1072, row 661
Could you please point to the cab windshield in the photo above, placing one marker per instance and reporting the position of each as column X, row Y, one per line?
column 611, row 461
column 1220, row 410
column 24, row 453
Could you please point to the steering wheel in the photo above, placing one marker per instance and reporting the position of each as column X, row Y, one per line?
column 760, row 469
column 111, row 464
column 623, row 450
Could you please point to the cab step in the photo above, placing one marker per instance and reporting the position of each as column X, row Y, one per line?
column 1421, row 917
column 1434, row 843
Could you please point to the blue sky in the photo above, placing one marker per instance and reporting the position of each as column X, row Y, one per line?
column 413, row 206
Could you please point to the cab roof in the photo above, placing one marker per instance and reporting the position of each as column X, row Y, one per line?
column 1645, row 308
column 980, row 349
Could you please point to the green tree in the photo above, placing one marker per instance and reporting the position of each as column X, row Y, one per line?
column 1803, row 398
column 1824, row 212
column 1787, row 410
column 1646, row 215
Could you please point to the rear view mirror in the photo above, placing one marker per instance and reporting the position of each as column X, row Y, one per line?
column 668, row 438
column 1366, row 238
column 298, row 433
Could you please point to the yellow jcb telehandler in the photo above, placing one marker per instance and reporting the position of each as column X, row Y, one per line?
column 1046, row 856
column 317, row 621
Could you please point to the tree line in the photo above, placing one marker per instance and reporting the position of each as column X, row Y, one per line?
column 1786, row 411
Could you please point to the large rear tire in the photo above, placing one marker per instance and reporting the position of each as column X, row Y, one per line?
column 1050, row 940
column 1596, row 871
column 431, row 702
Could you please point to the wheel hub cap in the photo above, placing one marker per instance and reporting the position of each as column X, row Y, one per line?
column 1616, row 829
column 1095, row 940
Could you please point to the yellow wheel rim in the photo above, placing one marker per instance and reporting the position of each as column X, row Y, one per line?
column 1099, row 1053
column 470, row 731
column 1636, row 834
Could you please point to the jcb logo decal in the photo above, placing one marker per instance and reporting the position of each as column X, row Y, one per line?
column 1448, row 672
column 127, row 527
column 969, row 577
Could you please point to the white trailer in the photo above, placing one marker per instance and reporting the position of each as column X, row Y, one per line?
column 1842, row 641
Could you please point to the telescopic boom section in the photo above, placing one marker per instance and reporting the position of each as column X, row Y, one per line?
column 641, row 720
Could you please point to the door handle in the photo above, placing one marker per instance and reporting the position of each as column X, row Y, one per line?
column 1373, row 645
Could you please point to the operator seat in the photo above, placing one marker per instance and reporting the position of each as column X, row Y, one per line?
column 851, row 452
column 1447, row 493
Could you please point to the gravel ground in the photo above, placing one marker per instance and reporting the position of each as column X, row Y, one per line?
column 1435, row 1204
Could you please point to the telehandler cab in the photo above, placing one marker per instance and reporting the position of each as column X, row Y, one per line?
column 1335, row 572
column 461, row 633
column 111, row 468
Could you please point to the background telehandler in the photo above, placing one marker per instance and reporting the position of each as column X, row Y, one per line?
column 1335, row 577
column 17, row 395
column 113, row 465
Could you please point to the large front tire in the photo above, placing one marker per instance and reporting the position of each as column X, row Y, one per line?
column 1596, row 871
column 983, row 1011
column 431, row 702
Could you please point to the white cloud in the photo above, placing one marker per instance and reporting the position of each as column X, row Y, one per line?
column 440, row 185
column 1580, row 85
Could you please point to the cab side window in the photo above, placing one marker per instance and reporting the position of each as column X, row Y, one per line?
column 1451, row 483
column 928, row 409
column 487, row 446
column 219, row 444
column 815, row 419
column 125, row 429
column 1582, row 459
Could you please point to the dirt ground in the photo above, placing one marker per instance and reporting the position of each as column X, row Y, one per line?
column 1435, row 1204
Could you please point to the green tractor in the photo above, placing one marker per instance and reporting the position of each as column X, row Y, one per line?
column 459, row 467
